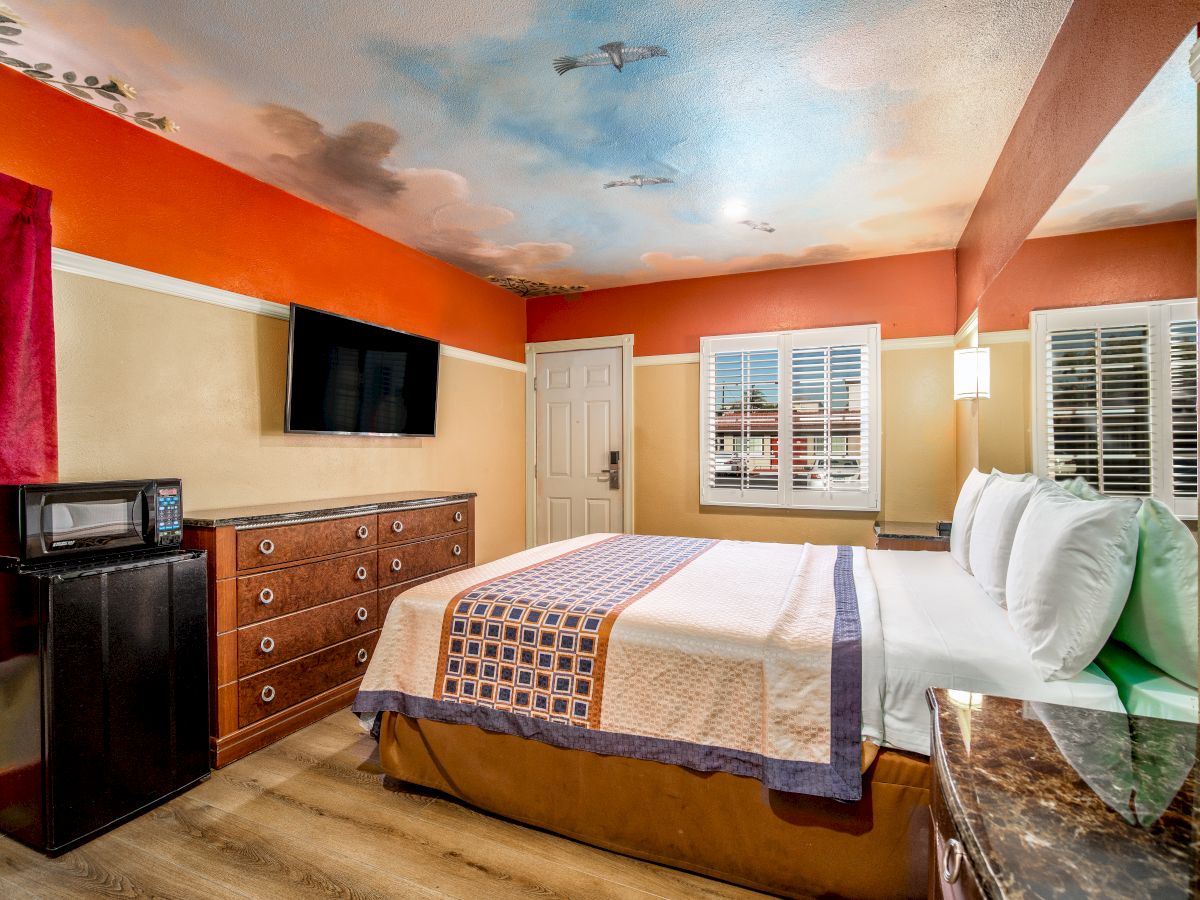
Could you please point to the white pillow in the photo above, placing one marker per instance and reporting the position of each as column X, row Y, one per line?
column 1024, row 476
column 964, row 515
column 1068, row 577
column 996, row 517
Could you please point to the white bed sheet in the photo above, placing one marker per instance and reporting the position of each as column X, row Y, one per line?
column 941, row 630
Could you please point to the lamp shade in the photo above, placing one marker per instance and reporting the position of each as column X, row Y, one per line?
column 972, row 373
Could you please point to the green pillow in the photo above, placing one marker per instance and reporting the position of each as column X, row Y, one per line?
column 1144, row 689
column 1081, row 489
column 1159, row 621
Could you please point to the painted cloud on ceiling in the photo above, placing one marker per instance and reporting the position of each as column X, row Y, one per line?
column 679, row 140
column 1144, row 171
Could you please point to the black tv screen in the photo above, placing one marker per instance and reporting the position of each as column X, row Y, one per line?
column 346, row 376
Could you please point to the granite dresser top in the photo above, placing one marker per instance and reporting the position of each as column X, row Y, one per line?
column 254, row 515
column 1058, row 801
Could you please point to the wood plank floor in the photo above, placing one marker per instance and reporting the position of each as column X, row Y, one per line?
column 310, row 816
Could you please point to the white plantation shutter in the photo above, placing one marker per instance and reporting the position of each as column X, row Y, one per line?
column 823, row 451
column 830, row 426
column 1182, row 355
column 1115, row 399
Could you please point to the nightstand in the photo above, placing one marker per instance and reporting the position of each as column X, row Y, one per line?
column 909, row 536
column 1040, row 800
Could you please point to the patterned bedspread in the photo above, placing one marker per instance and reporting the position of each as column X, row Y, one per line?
column 715, row 655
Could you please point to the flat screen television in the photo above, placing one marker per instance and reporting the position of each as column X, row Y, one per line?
column 346, row 376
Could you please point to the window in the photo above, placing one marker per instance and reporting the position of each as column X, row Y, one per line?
column 791, row 419
column 1115, row 399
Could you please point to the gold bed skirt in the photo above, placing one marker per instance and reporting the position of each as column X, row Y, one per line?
column 717, row 824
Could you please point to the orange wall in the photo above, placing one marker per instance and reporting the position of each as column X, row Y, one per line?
column 1105, row 54
column 911, row 296
column 1148, row 262
column 133, row 197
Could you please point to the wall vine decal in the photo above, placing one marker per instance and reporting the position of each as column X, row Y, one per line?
column 91, row 88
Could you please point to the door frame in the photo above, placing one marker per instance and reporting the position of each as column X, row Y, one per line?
column 623, row 342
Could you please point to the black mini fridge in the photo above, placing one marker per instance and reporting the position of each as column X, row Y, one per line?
column 103, row 691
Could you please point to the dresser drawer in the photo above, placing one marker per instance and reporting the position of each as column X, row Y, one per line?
column 288, row 637
column 261, row 547
column 951, row 875
column 270, row 594
column 412, row 524
column 276, row 689
column 404, row 562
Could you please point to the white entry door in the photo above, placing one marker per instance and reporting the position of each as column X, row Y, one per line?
column 578, row 429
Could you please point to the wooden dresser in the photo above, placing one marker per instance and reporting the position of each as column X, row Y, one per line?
column 298, row 593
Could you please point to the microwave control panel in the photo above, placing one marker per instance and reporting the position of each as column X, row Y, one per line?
column 170, row 514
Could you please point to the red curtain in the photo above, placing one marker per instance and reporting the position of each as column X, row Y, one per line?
column 28, row 417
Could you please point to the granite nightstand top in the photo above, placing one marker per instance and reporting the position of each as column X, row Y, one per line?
column 282, row 513
column 1058, row 801
column 909, row 531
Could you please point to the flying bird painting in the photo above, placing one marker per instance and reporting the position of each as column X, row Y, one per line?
column 758, row 226
column 637, row 181
column 614, row 54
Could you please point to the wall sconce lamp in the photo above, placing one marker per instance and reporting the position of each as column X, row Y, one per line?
column 972, row 373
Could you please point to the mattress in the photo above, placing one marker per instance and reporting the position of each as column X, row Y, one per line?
column 941, row 630
column 715, row 655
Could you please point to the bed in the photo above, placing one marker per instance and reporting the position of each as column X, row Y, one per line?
column 763, row 717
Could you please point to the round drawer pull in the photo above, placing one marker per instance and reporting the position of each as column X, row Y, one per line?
column 458, row 550
column 362, row 655
column 266, row 546
column 265, row 596
column 268, row 694
column 397, row 526
column 361, row 573
column 397, row 565
column 458, row 516
column 363, row 531
column 267, row 644
column 951, row 861
column 362, row 614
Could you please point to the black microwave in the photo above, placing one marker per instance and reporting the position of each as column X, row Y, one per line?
column 43, row 522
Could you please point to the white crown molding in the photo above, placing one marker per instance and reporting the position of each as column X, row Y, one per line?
column 482, row 358
column 668, row 359
column 933, row 342
column 972, row 324
column 1016, row 336
column 105, row 270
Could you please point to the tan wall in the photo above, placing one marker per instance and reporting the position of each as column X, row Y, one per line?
column 918, row 437
column 1004, row 436
column 151, row 385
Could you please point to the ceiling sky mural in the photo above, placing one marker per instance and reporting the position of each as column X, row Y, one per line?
column 597, row 143
column 1144, row 171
